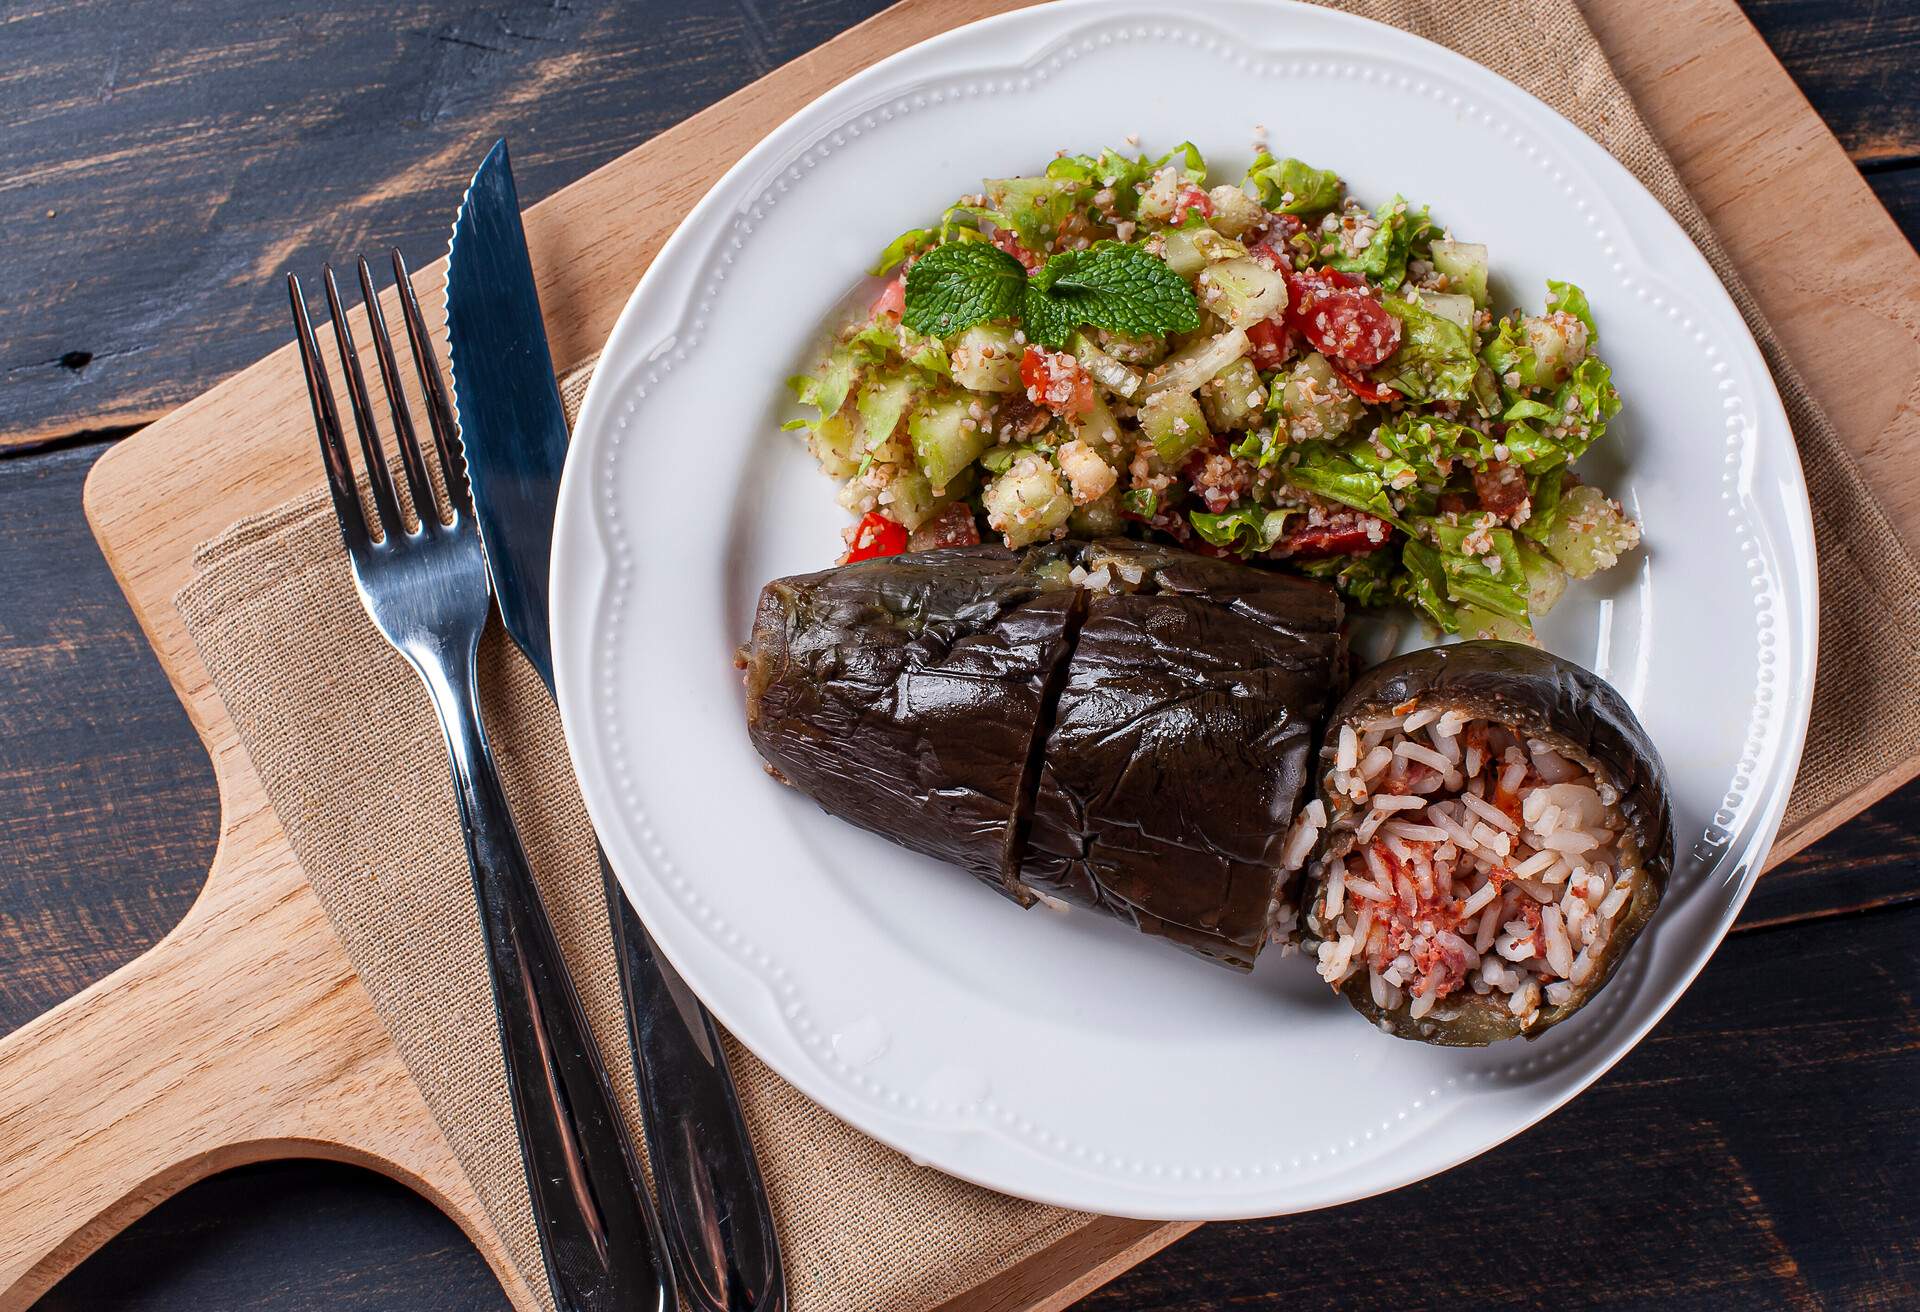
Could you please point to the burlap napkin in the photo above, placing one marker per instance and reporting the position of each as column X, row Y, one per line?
column 350, row 757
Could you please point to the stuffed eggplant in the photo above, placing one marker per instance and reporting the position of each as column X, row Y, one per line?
column 1120, row 725
column 1497, row 833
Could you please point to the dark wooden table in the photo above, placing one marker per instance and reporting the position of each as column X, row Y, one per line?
column 163, row 163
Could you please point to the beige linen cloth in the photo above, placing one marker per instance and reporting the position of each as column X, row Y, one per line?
column 349, row 754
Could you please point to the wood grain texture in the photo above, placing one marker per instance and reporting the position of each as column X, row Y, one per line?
column 109, row 812
column 1835, row 886
column 166, row 163
column 1855, row 60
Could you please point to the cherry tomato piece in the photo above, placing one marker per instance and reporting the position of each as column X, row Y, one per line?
column 1057, row 381
column 1192, row 199
column 875, row 535
column 1501, row 487
column 1333, row 311
column 892, row 301
column 1365, row 388
column 1355, row 535
column 1006, row 241
column 1273, row 343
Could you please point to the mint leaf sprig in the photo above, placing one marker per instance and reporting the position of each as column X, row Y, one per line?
column 1110, row 285
column 953, row 287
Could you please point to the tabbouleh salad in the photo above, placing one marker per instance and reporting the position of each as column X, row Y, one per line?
column 1265, row 368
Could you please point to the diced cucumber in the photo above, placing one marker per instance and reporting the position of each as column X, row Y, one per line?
column 1100, row 430
column 913, row 501
column 1235, row 213
column 1242, row 291
column 1098, row 519
column 1175, row 424
column 946, row 439
column 1590, row 533
column 1314, row 404
column 1027, row 503
column 1478, row 622
column 1189, row 250
column 831, row 442
column 881, row 404
column 1233, row 399
column 1558, row 342
column 1143, row 350
column 986, row 358
column 1465, row 264
column 1450, row 306
column 1121, row 379
column 1197, row 361
column 1546, row 581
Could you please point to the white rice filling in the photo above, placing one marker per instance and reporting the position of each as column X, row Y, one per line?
column 1475, row 862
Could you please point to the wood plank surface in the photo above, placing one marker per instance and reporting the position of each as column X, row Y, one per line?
column 1862, row 877
column 162, row 171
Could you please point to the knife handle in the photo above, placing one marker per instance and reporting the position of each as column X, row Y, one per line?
column 713, row 1203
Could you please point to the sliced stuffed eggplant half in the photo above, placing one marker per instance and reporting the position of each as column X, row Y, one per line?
column 1119, row 725
column 1497, row 834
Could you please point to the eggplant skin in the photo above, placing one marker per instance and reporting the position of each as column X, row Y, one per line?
column 1577, row 713
column 902, row 694
column 1141, row 752
column 1181, row 746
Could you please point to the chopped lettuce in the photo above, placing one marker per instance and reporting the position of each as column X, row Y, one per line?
column 883, row 340
column 1588, row 400
column 1435, row 361
column 1508, row 354
column 1333, row 473
column 1566, row 296
column 1426, row 445
column 901, row 248
column 1544, row 492
column 1495, row 582
column 1032, row 208
column 1245, row 529
column 959, row 223
column 1543, row 435
column 1425, row 585
column 1291, row 187
column 1260, row 446
column 825, row 390
column 1404, row 233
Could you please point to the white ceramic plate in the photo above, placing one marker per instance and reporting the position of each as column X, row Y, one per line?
column 1065, row 1058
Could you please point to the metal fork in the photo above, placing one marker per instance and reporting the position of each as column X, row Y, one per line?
column 426, row 590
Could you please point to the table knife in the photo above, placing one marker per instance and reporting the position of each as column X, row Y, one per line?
column 718, row 1223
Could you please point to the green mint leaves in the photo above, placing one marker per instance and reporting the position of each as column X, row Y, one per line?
column 955, row 286
column 1110, row 285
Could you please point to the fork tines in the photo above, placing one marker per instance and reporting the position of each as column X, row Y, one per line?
column 326, row 415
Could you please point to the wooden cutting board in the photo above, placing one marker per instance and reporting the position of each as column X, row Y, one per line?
column 245, row 1035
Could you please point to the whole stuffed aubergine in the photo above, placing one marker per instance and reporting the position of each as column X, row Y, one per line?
column 1497, row 834
column 1116, row 724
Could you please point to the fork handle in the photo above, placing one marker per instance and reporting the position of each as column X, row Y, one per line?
column 598, row 1232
